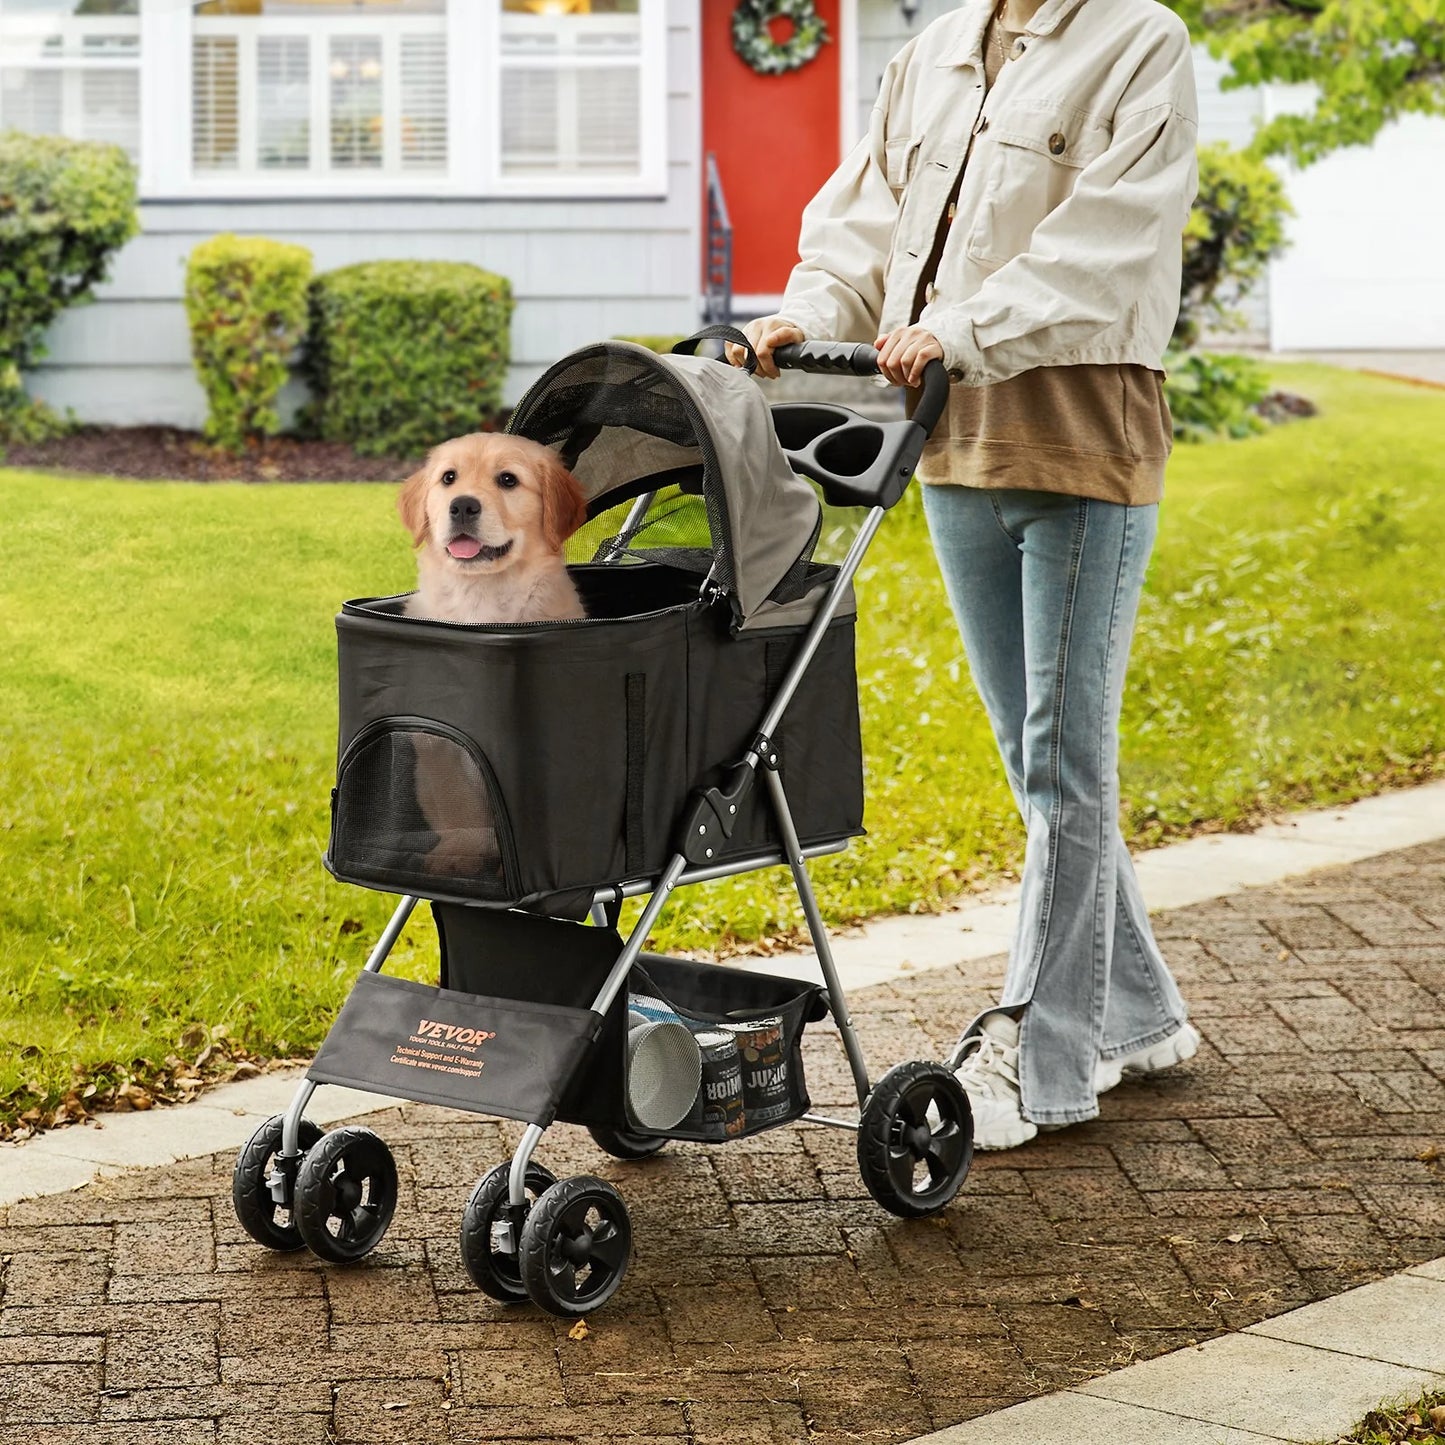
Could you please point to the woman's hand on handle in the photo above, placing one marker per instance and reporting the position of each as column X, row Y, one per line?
column 765, row 333
column 903, row 354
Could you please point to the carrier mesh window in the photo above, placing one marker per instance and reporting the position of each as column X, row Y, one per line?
column 413, row 805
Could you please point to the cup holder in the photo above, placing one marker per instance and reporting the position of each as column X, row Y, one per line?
column 851, row 450
column 798, row 423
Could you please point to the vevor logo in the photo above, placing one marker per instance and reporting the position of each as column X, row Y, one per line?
column 450, row 1033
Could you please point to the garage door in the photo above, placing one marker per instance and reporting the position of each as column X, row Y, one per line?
column 1365, row 271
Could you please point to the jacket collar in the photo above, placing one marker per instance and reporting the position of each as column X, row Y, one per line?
column 964, row 45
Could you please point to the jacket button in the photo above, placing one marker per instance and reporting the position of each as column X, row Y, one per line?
column 929, row 292
column 1018, row 48
column 1057, row 144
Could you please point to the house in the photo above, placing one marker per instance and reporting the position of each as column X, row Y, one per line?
column 561, row 143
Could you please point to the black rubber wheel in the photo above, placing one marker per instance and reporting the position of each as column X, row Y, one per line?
column 622, row 1144
column 267, row 1222
column 494, row 1271
column 575, row 1246
column 345, row 1195
column 915, row 1140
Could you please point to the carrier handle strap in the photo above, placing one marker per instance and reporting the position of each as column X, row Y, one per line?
column 634, row 845
column 688, row 346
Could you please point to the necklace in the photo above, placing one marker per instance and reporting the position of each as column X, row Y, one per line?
column 998, row 28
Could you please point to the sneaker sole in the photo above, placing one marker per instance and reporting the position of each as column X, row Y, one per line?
column 1005, row 1136
column 1180, row 1046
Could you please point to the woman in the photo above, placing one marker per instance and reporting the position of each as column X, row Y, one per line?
column 1015, row 211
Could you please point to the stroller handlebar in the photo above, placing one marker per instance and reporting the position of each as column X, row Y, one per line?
column 861, row 359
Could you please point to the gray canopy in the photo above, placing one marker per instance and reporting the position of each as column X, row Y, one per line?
column 628, row 421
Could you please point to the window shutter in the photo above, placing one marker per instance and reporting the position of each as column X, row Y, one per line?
column 215, row 103
column 283, row 102
column 355, row 71
column 423, row 102
column 609, row 109
column 30, row 100
column 110, row 107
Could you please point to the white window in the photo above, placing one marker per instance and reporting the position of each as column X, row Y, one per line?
column 544, row 98
column 315, row 90
column 72, row 67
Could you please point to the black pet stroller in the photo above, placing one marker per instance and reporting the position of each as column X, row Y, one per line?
column 701, row 722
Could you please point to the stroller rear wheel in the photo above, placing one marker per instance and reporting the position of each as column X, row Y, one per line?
column 346, row 1194
column 494, row 1269
column 575, row 1246
column 623, row 1144
column 915, row 1140
column 261, row 1216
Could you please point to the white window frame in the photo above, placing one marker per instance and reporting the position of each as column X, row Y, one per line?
column 474, row 120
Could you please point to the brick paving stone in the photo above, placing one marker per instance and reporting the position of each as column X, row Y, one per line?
column 1298, row 1154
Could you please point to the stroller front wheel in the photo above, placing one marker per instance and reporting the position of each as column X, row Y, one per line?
column 575, row 1246
column 493, row 1268
column 346, row 1194
column 267, row 1220
column 915, row 1139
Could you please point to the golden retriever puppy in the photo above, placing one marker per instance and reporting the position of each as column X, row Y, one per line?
column 489, row 514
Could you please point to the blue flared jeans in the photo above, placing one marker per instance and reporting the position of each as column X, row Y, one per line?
column 1046, row 589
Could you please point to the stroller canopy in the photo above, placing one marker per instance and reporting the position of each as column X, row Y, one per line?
column 628, row 421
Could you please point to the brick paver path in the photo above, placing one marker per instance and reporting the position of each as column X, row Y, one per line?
column 769, row 1299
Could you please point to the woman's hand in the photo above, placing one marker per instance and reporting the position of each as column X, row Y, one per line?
column 902, row 355
column 765, row 333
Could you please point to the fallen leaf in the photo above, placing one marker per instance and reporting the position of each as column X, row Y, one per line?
column 1429, row 1154
column 579, row 1331
column 1283, row 955
column 1234, row 1239
column 397, row 1405
column 1437, row 1417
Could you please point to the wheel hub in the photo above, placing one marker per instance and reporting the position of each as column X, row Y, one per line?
column 348, row 1193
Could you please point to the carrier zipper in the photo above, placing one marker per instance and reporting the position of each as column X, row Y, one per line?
column 407, row 723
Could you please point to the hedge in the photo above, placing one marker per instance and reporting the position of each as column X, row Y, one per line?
column 403, row 354
column 66, row 207
column 246, row 304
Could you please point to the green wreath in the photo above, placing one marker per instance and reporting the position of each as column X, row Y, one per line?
column 757, row 47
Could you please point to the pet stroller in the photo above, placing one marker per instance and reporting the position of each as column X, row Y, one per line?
column 702, row 721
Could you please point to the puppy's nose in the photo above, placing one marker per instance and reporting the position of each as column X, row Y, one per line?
column 466, row 509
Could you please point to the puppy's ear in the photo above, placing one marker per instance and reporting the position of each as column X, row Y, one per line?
column 411, row 503
column 564, row 507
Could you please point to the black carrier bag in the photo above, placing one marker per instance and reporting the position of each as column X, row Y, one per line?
column 528, row 764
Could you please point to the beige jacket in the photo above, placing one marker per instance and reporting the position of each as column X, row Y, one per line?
column 1066, row 246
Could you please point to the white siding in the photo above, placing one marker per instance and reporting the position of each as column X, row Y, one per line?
column 580, row 270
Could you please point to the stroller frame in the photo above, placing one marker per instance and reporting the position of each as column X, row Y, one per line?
column 884, row 1118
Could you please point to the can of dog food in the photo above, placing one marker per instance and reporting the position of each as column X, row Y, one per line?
column 718, row 1113
column 767, row 1097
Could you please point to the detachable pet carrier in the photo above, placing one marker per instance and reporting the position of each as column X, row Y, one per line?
column 701, row 721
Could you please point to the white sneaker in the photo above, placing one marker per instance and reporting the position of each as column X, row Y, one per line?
column 990, row 1078
column 1182, row 1044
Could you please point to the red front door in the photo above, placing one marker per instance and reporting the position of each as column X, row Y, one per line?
column 776, row 139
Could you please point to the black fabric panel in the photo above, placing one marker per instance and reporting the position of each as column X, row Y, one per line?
column 544, row 960
column 437, row 1046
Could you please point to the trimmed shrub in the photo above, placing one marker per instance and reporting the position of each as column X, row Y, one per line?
column 1212, row 398
column 1236, row 226
column 246, row 304
column 403, row 354
column 66, row 207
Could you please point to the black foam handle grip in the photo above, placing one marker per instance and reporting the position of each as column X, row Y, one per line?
column 857, row 359
column 861, row 359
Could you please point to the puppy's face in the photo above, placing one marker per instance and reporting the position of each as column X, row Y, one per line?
column 486, row 503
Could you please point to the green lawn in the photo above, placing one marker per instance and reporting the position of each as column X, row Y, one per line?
column 168, row 729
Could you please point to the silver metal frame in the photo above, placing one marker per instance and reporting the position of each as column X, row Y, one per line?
column 676, row 874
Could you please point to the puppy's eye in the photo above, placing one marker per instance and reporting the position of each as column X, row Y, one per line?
column 506, row 480
column 448, row 477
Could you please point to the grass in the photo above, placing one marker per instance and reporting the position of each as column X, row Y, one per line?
column 1418, row 1422
column 167, row 739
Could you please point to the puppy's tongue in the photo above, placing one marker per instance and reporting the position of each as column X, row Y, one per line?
column 464, row 547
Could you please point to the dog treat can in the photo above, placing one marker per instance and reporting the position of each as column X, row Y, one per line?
column 718, row 1113
column 767, row 1098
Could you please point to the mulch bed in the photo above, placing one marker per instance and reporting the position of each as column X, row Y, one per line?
column 152, row 452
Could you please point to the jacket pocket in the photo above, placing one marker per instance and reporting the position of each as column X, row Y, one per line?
column 1034, row 153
